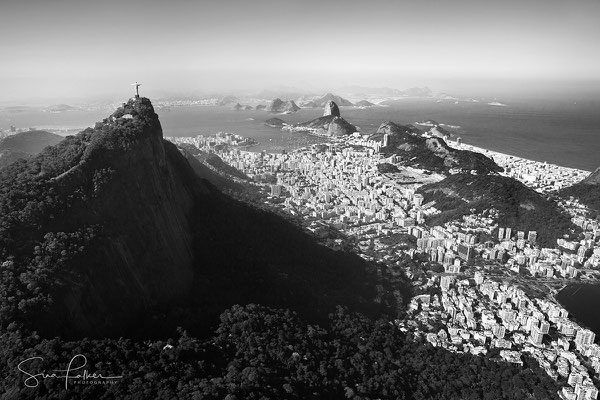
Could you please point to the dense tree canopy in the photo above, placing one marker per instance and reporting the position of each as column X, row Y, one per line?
column 519, row 207
column 262, row 353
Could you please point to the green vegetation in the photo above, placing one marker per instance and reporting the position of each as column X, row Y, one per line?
column 8, row 157
column 432, row 154
column 31, row 142
column 199, row 161
column 24, row 145
column 263, row 353
column 588, row 194
column 519, row 207
column 387, row 168
column 180, row 249
column 111, row 235
column 218, row 164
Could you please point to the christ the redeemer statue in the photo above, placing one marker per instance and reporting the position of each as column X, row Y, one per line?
column 137, row 91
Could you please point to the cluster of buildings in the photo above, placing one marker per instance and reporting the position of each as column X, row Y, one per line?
column 588, row 251
column 342, row 188
column 478, row 315
column 208, row 143
column 10, row 131
column 339, row 185
column 541, row 176
column 517, row 251
column 211, row 101
column 458, row 242
column 358, row 140
column 569, row 259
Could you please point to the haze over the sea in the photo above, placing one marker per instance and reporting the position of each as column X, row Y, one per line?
column 70, row 49
column 538, row 56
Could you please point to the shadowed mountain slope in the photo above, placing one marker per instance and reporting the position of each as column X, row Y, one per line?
column 520, row 207
column 112, row 231
column 587, row 191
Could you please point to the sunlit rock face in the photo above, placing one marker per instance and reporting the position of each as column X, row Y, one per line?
column 331, row 109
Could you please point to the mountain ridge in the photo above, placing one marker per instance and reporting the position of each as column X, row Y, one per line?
column 112, row 225
column 519, row 206
column 587, row 191
column 431, row 153
column 322, row 101
column 281, row 106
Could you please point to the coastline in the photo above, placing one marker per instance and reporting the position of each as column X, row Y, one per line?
column 308, row 131
column 494, row 153
column 583, row 321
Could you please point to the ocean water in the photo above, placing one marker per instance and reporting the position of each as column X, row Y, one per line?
column 559, row 132
column 583, row 303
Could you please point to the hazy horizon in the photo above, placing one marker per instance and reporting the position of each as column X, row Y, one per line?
column 65, row 49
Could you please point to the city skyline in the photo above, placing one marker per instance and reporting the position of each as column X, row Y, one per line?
column 63, row 49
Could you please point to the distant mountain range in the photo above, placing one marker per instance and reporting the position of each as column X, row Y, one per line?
column 347, row 91
column 282, row 94
column 364, row 103
column 228, row 100
column 321, row 101
column 240, row 107
column 60, row 108
column 361, row 91
column 281, row 106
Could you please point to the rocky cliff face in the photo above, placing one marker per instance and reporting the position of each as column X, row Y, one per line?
column 397, row 132
column 330, row 124
column 281, row 106
column 112, row 231
column 433, row 153
column 331, row 109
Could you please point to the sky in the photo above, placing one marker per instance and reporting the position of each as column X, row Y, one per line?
column 58, row 49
